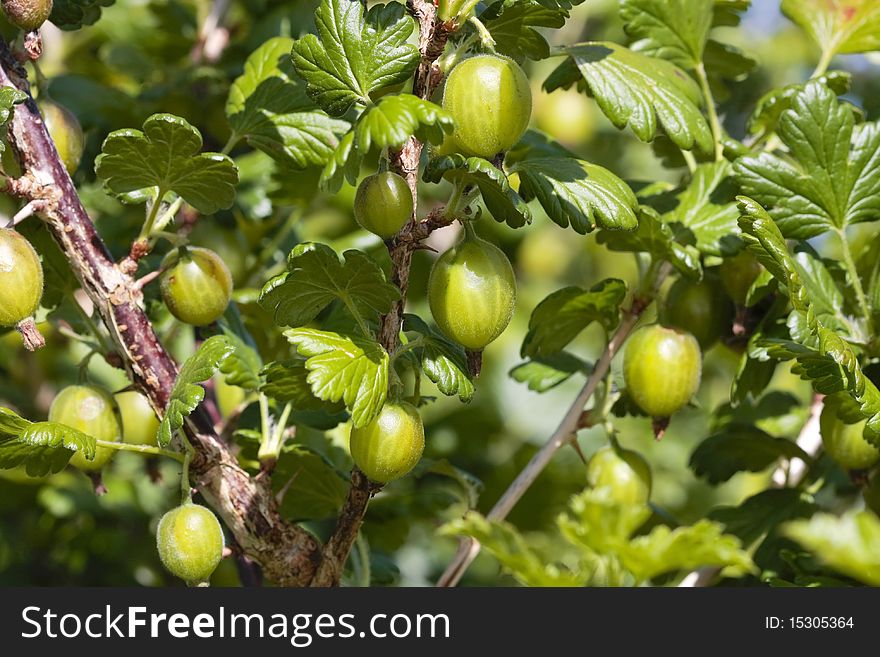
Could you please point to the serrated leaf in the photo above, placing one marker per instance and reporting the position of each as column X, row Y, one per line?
column 838, row 26
column 825, row 297
column 740, row 448
column 9, row 98
column 395, row 118
column 639, row 92
column 313, row 488
column 187, row 394
column 75, row 14
column 42, row 447
column 513, row 23
column 832, row 179
column 166, row 157
column 354, row 54
column 443, row 361
column 576, row 193
column 268, row 106
column 242, row 366
column 347, row 368
column 316, row 277
column 707, row 210
column 850, row 543
column 543, row 374
column 769, row 108
column 703, row 544
column 559, row 318
column 507, row 545
column 344, row 164
column 674, row 30
column 762, row 513
column 835, row 366
column 501, row 200
column 657, row 238
column 596, row 522
column 287, row 382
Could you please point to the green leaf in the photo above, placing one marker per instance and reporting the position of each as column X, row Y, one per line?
column 761, row 514
column 315, row 277
column 547, row 372
column 42, row 447
column 353, row 54
column 707, row 211
column 513, row 24
column 740, row 448
column 597, row 523
column 674, row 30
column 657, row 238
column 313, row 488
column 839, row 26
column 638, row 91
column 344, row 164
column 268, row 106
column 9, row 98
column 287, row 382
column 443, row 361
column 825, row 297
column 577, row 193
column 834, row 366
column 187, row 394
column 507, row 545
column 501, row 200
column 703, row 544
column 769, row 109
column 166, row 157
column 850, row 543
column 559, row 318
column 75, row 14
column 242, row 366
column 396, row 118
column 347, row 368
column 834, row 180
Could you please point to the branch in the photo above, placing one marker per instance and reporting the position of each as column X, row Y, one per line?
column 287, row 553
column 565, row 434
column 433, row 35
column 787, row 474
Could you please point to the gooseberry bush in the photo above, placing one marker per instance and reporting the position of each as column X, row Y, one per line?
column 264, row 264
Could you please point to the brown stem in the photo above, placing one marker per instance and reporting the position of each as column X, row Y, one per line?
column 433, row 35
column 288, row 554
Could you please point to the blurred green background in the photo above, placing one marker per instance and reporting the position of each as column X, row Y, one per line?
column 136, row 61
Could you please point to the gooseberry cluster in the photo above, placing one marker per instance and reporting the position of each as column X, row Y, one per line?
column 472, row 286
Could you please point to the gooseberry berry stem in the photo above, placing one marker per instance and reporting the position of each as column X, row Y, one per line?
column 714, row 121
column 485, row 36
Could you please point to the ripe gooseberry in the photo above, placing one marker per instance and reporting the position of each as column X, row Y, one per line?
column 624, row 473
column 472, row 291
column 845, row 443
column 699, row 308
column 190, row 543
column 196, row 285
column 139, row 422
column 27, row 15
column 383, row 204
column 491, row 101
column 21, row 278
column 738, row 274
column 662, row 369
column 391, row 444
column 93, row 411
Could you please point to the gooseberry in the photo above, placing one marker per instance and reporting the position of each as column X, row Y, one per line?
column 196, row 285
column 383, row 204
column 391, row 444
column 139, row 422
column 699, row 308
column 190, row 543
column 66, row 131
column 27, row 15
column 624, row 472
column 93, row 411
column 738, row 274
column 21, row 278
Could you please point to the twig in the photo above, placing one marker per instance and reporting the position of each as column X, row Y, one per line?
column 433, row 35
column 288, row 553
column 213, row 37
column 564, row 434
column 788, row 474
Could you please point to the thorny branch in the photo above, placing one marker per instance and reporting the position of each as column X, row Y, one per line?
column 287, row 553
column 433, row 35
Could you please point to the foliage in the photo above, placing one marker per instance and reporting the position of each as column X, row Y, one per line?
column 686, row 152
